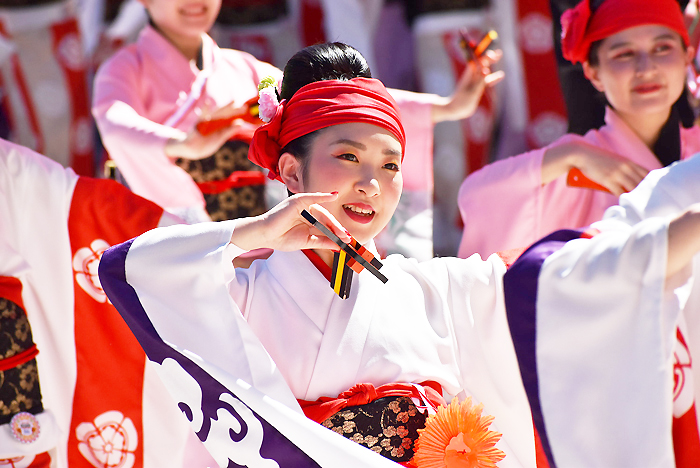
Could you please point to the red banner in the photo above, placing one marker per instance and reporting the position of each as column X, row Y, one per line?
column 106, row 427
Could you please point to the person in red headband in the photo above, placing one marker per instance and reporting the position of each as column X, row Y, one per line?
column 366, row 358
column 636, row 54
column 373, row 354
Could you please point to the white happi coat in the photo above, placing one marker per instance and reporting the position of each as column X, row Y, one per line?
column 439, row 320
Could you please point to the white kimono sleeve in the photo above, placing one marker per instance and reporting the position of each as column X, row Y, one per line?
column 171, row 287
column 594, row 331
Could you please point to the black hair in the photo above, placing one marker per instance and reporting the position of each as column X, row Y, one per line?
column 319, row 62
column 327, row 61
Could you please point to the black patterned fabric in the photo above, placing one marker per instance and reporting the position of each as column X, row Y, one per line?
column 388, row 426
column 232, row 203
column 19, row 386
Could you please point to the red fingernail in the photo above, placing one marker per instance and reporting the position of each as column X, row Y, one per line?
column 334, row 193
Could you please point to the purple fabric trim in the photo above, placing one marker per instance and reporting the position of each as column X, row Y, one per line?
column 275, row 445
column 520, row 289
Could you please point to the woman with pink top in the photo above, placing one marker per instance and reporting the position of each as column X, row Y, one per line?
column 639, row 62
column 150, row 95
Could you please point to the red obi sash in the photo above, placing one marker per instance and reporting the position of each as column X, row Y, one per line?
column 428, row 392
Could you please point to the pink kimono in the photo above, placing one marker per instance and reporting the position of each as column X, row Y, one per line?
column 149, row 92
column 505, row 206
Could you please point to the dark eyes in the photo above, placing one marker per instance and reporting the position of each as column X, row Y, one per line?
column 663, row 48
column 353, row 158
column 658, row 49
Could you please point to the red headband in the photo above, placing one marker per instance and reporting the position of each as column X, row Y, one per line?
column 322, row 104
column 580, row 28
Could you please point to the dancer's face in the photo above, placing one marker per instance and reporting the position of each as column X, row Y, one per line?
column 641, row 70
column 363, row 163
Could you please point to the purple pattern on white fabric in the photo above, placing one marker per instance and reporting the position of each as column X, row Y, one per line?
column 215, row 398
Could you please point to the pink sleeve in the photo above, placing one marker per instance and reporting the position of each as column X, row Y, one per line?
column 417, row 122
column 497, row 198
column 504, row 205
column 136, row 143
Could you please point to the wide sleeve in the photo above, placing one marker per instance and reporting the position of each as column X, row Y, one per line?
column 594, row 328
column 180, row 279
column 464, row 301
column 171, row 286
column 134, row 142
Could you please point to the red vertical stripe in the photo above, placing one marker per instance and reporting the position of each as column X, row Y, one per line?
column 110, row 362
column 539, row 66
column 67, row 49
column 311, row 19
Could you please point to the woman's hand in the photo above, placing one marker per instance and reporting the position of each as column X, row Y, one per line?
column 283, row 227
column 476, row 77
column 617, row 174
column 195, row 145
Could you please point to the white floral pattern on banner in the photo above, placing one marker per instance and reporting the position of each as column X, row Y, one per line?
column 480, row 125
column 108, row 442
column 82, row 135
column 85, row 263
column 536, row 34
column 70, row 52
column 546, row 128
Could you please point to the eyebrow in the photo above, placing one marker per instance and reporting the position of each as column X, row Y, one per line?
column 657, row 38
column 360, row 146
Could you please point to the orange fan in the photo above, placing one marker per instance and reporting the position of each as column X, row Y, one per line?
column 457, row 436
column 249, row 114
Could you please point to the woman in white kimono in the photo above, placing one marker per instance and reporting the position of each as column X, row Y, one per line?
column 278, row 326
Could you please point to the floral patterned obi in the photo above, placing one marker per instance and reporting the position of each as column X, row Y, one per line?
column 233, row 187
column 384, row 419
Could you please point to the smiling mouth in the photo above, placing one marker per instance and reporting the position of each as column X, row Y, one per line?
column 194, row 10
column 358, row 211
column 644, row 89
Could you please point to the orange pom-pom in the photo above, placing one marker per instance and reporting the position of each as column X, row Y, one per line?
column 457, row 436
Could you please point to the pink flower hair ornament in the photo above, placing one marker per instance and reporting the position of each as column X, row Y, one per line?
column 268, row 103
